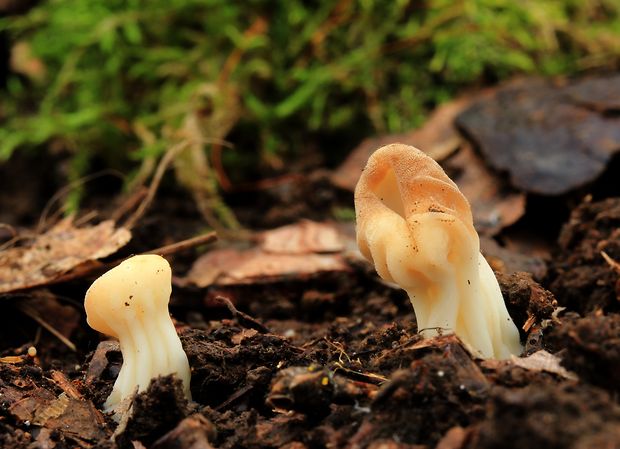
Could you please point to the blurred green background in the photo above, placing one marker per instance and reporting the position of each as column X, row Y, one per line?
column 125, row 81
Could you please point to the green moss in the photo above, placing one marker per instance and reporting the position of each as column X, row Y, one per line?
column 112, row 72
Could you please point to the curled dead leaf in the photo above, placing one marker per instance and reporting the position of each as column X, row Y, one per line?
column 48, row 256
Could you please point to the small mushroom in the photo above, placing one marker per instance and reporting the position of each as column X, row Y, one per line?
column 416, row 227
column 130, row 302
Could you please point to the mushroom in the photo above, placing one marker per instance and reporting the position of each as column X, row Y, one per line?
column 416, row 227
column 130, row 302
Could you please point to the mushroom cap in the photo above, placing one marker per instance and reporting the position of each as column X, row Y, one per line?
column 127, row 292
column 401, row 184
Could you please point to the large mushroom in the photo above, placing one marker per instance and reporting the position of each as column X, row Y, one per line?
column 417, row 228
column 130, row 302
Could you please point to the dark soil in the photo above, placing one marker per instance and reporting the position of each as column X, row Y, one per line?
column 332, row 360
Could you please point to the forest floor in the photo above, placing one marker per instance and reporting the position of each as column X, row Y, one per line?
column 295, row 342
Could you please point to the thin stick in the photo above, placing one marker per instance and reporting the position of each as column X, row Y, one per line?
column 243, row 318
column 166, row 160
column 612, row 263
column 65, row 385
column 94, row 267
column 184, row 245
column 36, row 317
column 130, row 203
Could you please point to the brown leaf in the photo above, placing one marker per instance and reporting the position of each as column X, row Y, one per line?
column 539, row 361
column 232, row 266
column 61, row 249
column 73, row 418
column 245, row 333
column 302, row 238
column 543, row 361
column 601, row 94
column 293, row 250
column 493, row 205
column 544, row 135
column 437, row 137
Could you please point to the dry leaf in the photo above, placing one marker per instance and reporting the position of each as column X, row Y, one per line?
column 245, row 333
column 543, row 135
column 300, row 249
column 73, row 418
column 437, row 137
column 302, row 238
column 543, row 361
column 50, row 255
column 539, row 361
column 232, row 266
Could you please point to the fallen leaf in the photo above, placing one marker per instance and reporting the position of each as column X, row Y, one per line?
column 73, row 418
column 600, row 94
column 438, row 138
column 539, row 361
column 543, row 361
column 48, row 256
column 302, row 238
column 494, row 205
column 543, row 135
column 245, row 333
column 300, row 249
column 232, row 266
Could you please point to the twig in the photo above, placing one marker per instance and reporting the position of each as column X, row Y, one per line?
column 92, row 267
column 166, row 160
column 243, row 318
column 9, row 243
column 184, row 245
column 612, row 263
column 233, row 397
column 129, row 204
column 65, row 385
column 369, row 378
column 27, row 310
column 85, row 218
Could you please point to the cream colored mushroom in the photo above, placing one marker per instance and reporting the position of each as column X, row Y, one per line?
column 130, row 302
column 416, row 227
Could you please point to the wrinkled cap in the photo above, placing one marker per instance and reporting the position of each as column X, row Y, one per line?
column 401, row 184
column 134, row 288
